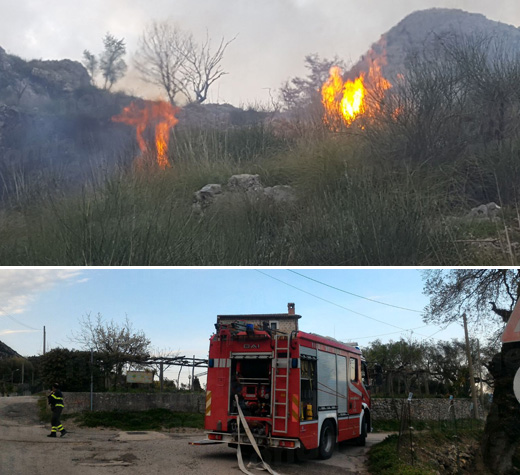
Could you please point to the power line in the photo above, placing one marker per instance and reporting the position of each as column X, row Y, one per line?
column 355, row 295
column 333, row 303
column 16, row 321
column 391, row 333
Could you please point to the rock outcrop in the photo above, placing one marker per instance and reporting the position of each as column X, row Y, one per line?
column 29, row 84
column 6, row 351
column 240, row 186
column 427, row 29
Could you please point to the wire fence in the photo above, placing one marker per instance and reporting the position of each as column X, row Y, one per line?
column 450, row 424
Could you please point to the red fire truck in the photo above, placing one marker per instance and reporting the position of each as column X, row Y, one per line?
column 296, row 390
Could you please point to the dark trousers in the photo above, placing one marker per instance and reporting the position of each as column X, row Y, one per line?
column 55, row 419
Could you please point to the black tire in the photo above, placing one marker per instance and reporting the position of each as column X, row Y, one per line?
column 327, row 440
column 362, row 439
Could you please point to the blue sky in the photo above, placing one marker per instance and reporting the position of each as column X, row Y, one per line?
column 177, row 308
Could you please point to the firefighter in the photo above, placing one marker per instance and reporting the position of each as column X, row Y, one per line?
column 55, row 399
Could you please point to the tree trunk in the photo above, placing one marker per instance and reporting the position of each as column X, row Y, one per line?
column 502, row 430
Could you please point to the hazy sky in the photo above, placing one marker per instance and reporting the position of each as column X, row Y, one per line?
column 177, row 308
column 273, row 35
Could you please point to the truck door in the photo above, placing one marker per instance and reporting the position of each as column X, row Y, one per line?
column 354, row 385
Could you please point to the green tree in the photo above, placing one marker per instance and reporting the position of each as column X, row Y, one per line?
column 71, row 369
column 111, row 63
column 91, row 64
column 300, row 92
column 11, row 370
column 471, row 290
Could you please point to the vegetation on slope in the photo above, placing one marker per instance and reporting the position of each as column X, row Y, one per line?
column 392, row 189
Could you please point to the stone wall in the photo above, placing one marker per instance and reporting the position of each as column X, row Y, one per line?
column 421, row 409
column 382, row 409
column 178, row 402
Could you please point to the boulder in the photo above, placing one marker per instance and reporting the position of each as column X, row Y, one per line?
column 489, row 211
column 280, row 193
column 205, row 196
column 241, row 185
column 245, row 182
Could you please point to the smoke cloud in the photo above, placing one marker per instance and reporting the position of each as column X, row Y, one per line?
column 273, row 35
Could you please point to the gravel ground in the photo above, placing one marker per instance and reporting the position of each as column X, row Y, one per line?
column 25, row 449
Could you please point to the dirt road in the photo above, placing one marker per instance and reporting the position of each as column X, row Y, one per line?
column 26, row 449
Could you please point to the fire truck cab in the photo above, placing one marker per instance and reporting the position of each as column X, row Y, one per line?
column 295, row 390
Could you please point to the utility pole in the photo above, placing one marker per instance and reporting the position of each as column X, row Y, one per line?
column 161, row 374
column 91, row 379
column 480, row 375
column 44, row 339
column 193, row 374
column 470, row 368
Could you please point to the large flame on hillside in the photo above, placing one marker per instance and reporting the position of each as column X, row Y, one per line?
column 157, row 114
column 344, row 101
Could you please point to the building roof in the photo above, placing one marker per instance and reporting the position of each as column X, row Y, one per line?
column 261, row 316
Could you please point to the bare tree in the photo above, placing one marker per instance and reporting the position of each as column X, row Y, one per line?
column 112, row 65
column 203, row 66
column 117, row 344
column 160, row 57
column 171, row 59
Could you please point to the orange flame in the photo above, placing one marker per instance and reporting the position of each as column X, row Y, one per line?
column 160, row 115
column 344, row 101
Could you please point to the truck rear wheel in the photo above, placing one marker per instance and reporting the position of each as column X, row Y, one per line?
column 327, row 440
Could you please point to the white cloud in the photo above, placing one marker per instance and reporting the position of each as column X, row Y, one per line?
column 10, row 332
column 19, row 287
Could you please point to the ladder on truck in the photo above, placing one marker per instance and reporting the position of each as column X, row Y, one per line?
column 280, row 371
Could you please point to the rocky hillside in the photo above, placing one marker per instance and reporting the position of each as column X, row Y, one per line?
column 29, row 84
column 54, row 125
column 425, row 29
column 6, row 351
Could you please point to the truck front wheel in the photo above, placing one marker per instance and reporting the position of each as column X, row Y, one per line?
column 327, row 440
column 362, row 439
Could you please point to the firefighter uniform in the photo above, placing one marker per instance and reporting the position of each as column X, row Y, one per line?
column 55, row 399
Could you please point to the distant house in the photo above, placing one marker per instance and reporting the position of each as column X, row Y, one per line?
column 283, row 322
column 6, row 351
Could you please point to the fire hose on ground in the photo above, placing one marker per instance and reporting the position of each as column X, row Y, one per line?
column 242, row 419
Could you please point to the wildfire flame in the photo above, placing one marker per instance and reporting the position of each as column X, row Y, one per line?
column 344, row 101
column 160, row 115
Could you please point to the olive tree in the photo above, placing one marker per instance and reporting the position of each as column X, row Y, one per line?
column 487, row 296
column 116, row 344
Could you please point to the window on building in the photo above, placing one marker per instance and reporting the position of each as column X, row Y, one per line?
column 273, row 325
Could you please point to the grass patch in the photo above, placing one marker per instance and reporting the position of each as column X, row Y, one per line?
column 349, row 209
column 383, row 459
column 428, row 452
column 44, row 412
column 153, row 419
